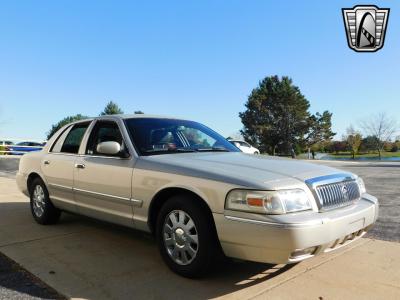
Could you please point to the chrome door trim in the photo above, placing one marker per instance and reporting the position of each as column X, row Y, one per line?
column 61, row 187
column 112, row 198
column 137, row 202
column 125, row 138
column 124, row 200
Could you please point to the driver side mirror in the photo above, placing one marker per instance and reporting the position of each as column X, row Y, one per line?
column 108, row 148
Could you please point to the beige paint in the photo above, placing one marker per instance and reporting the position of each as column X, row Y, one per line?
column 121, row 191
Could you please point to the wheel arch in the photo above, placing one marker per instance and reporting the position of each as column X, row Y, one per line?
column 163, row 195
column 32, row 176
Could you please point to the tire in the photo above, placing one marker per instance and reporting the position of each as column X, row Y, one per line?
column 177, row 242
column 43, row 211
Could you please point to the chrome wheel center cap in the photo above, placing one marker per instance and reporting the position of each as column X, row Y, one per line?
column 180, row 238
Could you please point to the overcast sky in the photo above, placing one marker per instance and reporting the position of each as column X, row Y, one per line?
column 197, row 60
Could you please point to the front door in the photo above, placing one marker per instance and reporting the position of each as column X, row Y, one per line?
column 102, row 183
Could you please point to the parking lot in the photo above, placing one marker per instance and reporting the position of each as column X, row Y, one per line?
column 84, row 258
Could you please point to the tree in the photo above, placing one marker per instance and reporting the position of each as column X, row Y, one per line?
column 337, row 146
column 320, row 129
column 111, row 108
column 368, row 143
column 277, row 117
column 382, row 127
column 63, row 122
column 353, row 139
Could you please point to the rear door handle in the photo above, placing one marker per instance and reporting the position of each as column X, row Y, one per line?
column 46, row 162
column 80, row 166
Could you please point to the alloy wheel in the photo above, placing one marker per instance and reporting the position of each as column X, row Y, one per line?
column 180, row 237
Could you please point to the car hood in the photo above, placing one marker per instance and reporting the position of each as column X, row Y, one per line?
column 256, row 171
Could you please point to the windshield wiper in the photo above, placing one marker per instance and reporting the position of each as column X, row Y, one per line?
column 212, row 149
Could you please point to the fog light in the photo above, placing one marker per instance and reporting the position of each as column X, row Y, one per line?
column 303, row 252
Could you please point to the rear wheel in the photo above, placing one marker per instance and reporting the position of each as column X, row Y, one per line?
column 43, row 211
column 186, row 236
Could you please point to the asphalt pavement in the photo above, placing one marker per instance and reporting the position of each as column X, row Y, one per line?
column 8, row 166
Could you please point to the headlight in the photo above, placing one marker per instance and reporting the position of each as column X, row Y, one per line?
column 361, row 185
column 268, row 202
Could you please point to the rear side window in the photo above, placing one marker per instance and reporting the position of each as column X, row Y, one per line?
column 59, row 141
column 71, row 142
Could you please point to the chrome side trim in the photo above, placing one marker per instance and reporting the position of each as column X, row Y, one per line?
column 281, row 225
column 137, row 202
column 124, row 200
column 61, row 187
column 101, row 194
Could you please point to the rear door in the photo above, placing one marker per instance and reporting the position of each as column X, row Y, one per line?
column 102, row 183
column 58, row 166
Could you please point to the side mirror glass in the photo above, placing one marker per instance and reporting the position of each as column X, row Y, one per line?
column 108, row 148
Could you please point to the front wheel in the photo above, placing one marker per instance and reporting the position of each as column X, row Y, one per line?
column 43, row 211
column 186, row 236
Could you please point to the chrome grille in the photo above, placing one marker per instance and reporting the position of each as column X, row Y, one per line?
column 337, row 194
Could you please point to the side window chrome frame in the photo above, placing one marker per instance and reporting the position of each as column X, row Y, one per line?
column 60, row 139
column 67, row 130
column 122, row 129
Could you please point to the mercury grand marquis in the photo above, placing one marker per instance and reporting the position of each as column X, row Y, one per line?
column 195, row 191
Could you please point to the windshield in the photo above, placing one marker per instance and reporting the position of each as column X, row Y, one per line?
column 162, row 136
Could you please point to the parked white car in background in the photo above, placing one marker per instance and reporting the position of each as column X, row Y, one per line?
column 245, row 147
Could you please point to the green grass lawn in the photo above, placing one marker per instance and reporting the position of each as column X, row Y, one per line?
column 371, row 154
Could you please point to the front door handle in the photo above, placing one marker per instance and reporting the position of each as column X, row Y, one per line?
column 46, row 162
column 80, row 166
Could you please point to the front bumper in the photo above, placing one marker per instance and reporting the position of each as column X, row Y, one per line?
column 283, row 242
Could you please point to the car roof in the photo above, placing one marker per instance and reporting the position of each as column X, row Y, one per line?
column 128, row 116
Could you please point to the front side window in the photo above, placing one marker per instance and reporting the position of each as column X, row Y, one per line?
column 74, row 138
column 105, row 131
column 159, row 136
